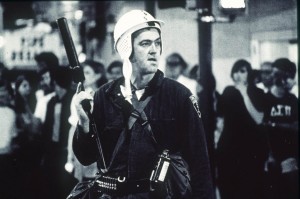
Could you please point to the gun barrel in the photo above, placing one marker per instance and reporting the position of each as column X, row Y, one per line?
column 70, row 49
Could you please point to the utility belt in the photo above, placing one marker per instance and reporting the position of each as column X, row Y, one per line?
column 120, row 186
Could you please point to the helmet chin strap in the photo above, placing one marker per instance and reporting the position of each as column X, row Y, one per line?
column 127, row 71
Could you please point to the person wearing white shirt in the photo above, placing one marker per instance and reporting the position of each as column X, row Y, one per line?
column 266, row 69
column 175, row 66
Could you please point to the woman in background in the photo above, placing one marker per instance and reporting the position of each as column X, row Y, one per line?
column 29, row 127
column 241, row 150
column 28, row 141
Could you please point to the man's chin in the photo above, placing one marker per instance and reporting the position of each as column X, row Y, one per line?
column 151, row 71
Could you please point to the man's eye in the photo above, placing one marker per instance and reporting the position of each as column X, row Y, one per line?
column 157, row 43
column 145, row 44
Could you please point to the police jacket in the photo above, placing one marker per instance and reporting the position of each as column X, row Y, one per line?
column 175, row 120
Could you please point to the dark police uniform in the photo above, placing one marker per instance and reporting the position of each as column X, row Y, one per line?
column 174, row 117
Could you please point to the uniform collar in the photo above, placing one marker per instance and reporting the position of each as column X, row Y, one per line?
column 114, row 89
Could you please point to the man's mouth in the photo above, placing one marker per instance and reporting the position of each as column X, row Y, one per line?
column 151, row 59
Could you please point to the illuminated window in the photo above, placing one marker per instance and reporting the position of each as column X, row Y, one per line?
column 232, row 7
column 233, row 4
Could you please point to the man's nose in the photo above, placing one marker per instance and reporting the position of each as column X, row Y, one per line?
column 153, row 48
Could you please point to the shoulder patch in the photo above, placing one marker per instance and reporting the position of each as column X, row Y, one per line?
column 195, row 104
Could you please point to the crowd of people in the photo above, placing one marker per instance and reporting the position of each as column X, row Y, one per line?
column 36, row 151
column 257, row 151
column 256, row 128
column 256, row 120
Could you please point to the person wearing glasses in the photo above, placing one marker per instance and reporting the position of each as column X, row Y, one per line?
column 240, row 150
column 266, row 70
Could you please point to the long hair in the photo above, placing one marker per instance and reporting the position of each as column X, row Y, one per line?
column 97, row 68
column 239, row 64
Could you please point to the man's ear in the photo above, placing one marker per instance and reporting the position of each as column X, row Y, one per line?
column 131, row 58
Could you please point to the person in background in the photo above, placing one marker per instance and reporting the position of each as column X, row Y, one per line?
column 46, row 62
column 93, row 73
column 114, row 70
column 29, row 140
column 7, row 84
column 194, row 72
column 170, row 120
column 175, row 67
column 241, row 149
column 55, row 133
column 291, row 71
column 281, row 121
column 27, row 122
column 2, row 71
column 195, row 76
column 8, row 131
column 265, row 82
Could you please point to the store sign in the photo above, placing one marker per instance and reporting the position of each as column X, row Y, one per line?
column 22, row 45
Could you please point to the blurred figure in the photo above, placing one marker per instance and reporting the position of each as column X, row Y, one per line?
column 94, row 78
column 8, row 131
column 94, row 72
column 256, row 94
column 114, row 70
column 265, row 83
column 281, row 120
column 29, row 142
column 175, row 67
column 22, row 92
column 194, row 72
column 2, row 71
column 194, row 75
column 55, row 132
column 290, row 70
column 47, row 62
column 241, row 148
column 29, row 126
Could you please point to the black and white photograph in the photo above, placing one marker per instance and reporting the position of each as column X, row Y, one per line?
column 149, row 99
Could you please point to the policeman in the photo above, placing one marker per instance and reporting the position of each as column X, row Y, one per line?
column 140, row 115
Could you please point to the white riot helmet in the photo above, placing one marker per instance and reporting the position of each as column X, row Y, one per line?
column 129, row 23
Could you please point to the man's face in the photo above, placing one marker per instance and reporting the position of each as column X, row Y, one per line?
column 290, row 83
column 173, row 71
column 116, row 72
column 146, row 51
column 173, row 67
column 46, row 79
